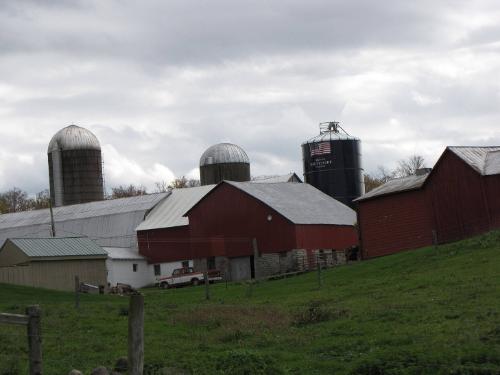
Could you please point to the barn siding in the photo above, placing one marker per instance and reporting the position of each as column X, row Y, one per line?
column 458, row 199
column 56, row 274
column 492, row 191
column 165, row 244
column 234, row 217
column 325, row 237
column 393, row 223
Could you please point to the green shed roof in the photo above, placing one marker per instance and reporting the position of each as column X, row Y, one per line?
column 58, row 247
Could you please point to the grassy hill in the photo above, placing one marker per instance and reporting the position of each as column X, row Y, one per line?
column 429, row 311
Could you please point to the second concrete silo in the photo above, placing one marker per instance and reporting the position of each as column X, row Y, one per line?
column 75, row 167
column 224, row 161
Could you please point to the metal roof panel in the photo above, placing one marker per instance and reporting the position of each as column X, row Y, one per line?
column 476, row 157
column 169, row 213
column 396, row 185
column 300, row 203
column 58, row 247
column 123, row 253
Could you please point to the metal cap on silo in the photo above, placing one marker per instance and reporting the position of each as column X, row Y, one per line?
column 224, row 161
column 74, row 137
column 224, row 153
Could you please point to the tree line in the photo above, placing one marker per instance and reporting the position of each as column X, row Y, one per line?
column 16, row 199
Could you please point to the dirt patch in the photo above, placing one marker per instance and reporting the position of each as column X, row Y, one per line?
column 243, row 318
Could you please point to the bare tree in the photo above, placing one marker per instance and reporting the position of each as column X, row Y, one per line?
column 15, row 200
column 127, row 191
column 42, row 200
column 161, row 187
column 371, row 182
column 193, row 182
column 183, row 182
column 408, row 167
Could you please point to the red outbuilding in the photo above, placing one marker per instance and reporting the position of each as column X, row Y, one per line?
column 457, row 199
column 253, row 229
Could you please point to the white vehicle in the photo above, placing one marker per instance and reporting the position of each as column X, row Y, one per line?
column 187, row 276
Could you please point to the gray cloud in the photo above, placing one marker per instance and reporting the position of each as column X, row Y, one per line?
column 158, row 82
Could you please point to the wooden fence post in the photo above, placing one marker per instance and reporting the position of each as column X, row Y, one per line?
column 207, row 285
column 136, row 335
column 77, row 292
column 34, row 339
column 318, row 266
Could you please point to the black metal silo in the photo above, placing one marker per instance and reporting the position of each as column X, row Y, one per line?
column 332, row 163
column 224, row 161
column 75, row 167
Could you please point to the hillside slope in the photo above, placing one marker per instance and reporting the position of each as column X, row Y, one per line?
column 429, row 311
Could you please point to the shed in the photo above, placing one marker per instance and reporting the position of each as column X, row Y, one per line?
column 52, row 263
column 457, row 199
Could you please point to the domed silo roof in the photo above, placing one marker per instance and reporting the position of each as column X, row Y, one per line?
column 224, row 153
column 74, row 137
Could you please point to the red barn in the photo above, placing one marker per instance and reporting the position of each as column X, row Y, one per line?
column 458, row 199
column 164, row 234
column 283, row 220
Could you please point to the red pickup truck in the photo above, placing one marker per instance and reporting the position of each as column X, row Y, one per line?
column 187, row 276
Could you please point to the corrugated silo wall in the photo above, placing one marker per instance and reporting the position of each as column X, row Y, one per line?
column 215, row 173
column 338, row 172
column 82, row 176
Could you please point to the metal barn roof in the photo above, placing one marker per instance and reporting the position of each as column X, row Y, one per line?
column 74, row 138
column 299, row 203
column 224, row 153
column 395, row 186
column 109, row 222
column 485, row 160
column 290, row 177
column 123, row 253
column 58, row 247
column 169, row 213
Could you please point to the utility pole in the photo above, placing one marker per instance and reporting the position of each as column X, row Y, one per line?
column 52, row 225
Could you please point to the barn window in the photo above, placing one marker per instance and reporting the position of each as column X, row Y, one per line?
column 157, row 270
column 134, row 267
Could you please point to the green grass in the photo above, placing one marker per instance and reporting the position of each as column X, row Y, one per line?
column 429, row 311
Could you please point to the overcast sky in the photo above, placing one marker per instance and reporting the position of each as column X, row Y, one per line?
column 160, row 81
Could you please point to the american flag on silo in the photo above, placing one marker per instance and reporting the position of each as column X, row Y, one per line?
column 320, row 148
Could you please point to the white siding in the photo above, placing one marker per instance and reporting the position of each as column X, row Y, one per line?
column 121, row 271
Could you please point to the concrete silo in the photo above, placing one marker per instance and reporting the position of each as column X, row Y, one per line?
column 332, row 163
column 224, row 161
column 75, row 167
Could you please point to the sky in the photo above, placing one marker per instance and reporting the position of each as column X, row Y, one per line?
column 158, row 82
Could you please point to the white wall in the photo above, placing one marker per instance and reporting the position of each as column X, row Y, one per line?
column 121, row 271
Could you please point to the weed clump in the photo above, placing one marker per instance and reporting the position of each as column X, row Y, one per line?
column 244, row 362
column 317, row 312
